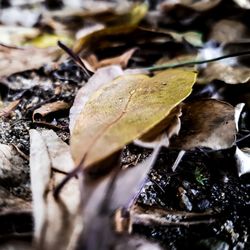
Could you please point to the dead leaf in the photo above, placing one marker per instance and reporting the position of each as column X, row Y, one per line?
column 111, row 36
column 225, row 31
column 226, row 73
column 243, row 3
column 192, row 37
column 15, row 16
column 16, row 36
column 54, row 219
column 101, row 77
column 88, row 30
column 112, row 192
column 10, row 203
column 6, row 111
column 206, row 123
column 125, row 110
column 92, row 63
column 11, row 165
column 49, row 108
column 118, row 25
column 200, row 5
column 48, row 40
column 242, row 157
column 172, row 125
column 14, row 60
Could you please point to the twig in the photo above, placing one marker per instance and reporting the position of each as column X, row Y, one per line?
column 74, row 56
column 178, row 160
column 190, row 63
column 26, row 157
column 242, row 138
column 151, row 220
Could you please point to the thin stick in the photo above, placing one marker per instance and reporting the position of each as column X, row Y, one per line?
column 152, row 220
column 178, row 159
column 169, row 66
column 74, row 56
column 65, row 180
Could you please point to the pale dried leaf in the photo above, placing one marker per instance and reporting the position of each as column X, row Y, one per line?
column 88, row 30
column 10, row 202
column 40, row 172
column 60, row 156
column 14, row 35
column 11, row 164
column 100, row 78
column 52, row 229
column 238, row 109
column 125, row 187
column 13, row 60
column 242, row 157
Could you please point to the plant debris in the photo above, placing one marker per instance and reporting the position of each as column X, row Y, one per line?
column 107, row 138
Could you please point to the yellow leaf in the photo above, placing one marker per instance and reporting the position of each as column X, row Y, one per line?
column 125, row 24
column 124, row 110
column 49, row 40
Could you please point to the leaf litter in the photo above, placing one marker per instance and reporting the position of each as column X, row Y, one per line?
column 145, row 188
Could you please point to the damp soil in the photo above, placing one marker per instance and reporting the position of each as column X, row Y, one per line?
column 208, row 203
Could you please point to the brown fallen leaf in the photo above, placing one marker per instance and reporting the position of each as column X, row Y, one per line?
column 92, row 63
column 226, row 73
column 206, row 123
column 226, row 31
column 54, row 219
column 124, row 110
column 13, row 60
column 200, row 5
column 49, row 108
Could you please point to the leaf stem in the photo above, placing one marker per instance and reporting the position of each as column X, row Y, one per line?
column 189, row 63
